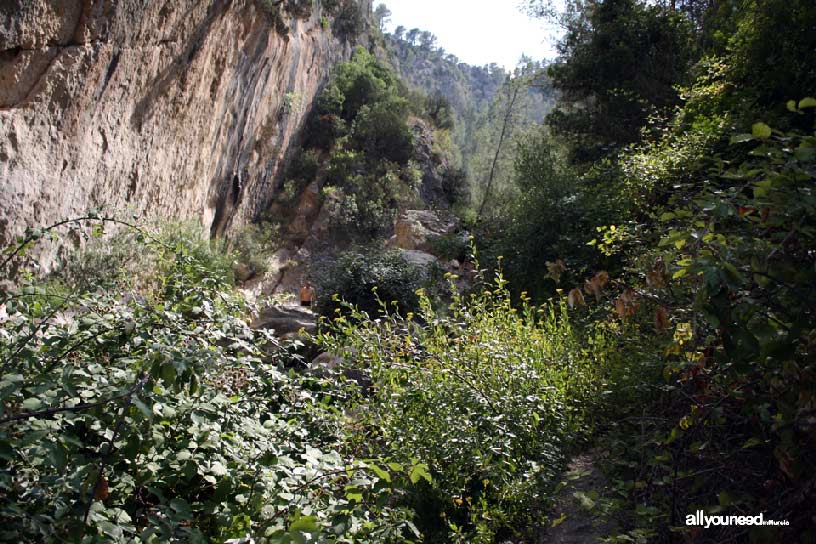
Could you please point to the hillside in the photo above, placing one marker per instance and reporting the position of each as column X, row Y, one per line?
column 477, row 96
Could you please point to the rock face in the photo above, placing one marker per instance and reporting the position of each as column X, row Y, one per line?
column 414, row 228
column 183, row 109
column 433, row 167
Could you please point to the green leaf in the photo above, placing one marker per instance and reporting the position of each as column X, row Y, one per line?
column 761, row 188
column 751, row 442
column 807, row 102
column 585, row 500
column 792, row 106
column 382, row 474
column 32, row 404
column 761, row 130
column 142, row 407
column 419, row 472
column 305, row 524
column 354, row 496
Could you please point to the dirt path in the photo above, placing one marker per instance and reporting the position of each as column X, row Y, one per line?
column 577, row 511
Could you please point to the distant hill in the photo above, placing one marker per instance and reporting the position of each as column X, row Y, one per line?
column 475, row 93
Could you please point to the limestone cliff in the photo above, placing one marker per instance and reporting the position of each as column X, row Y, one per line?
column 182, row 109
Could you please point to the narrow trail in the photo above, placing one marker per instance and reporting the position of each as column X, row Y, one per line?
column 576, row 511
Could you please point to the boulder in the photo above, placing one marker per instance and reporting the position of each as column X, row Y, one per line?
column 324, row 364
column 243, row 272
column 418, row 258
column 286, row 321
column 414, row 228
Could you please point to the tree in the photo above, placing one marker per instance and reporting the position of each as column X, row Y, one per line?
column 399, row 32
column 620, row 61
column 440, row 111
column 382, row 15
column 412, row 36
column 427, row 40
column 505, row 126
column 381, row 131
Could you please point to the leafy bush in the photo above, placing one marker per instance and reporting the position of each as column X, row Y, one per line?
column 349, row 21
column 372, row 164
column 164, row 418
column 733, row 271
column 304, row 166
column 381, row 132
column 488, row 396
column 252, row 247
column 360, row 81
column 440, row 111
column 119, row 260
column 554, row 217
column 361, row 276
column 450, row 246
column 370, row 193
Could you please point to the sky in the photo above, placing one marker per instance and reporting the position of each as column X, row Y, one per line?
column 477, row 31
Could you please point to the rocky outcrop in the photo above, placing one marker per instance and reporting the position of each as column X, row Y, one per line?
column 434, row 167
column 286, row 321
column 183, row 109
column 414, row 229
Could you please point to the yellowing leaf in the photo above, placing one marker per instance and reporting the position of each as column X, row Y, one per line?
column 575, row 298
column 661, row 318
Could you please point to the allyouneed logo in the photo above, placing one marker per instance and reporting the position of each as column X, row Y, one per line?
column 699, row 518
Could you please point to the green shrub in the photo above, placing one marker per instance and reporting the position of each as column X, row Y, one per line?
column 361, row 276
column 734, row 248
column 489, row 396
column 119, row 260
column 304, row 166
column 369, row 193
column 450, row 246
column 350, row 21
column 252, row 247
column 381, row 132
column 164, row 418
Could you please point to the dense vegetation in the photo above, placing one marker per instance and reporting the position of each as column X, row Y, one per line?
column 684, row 169
column 648, row 291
